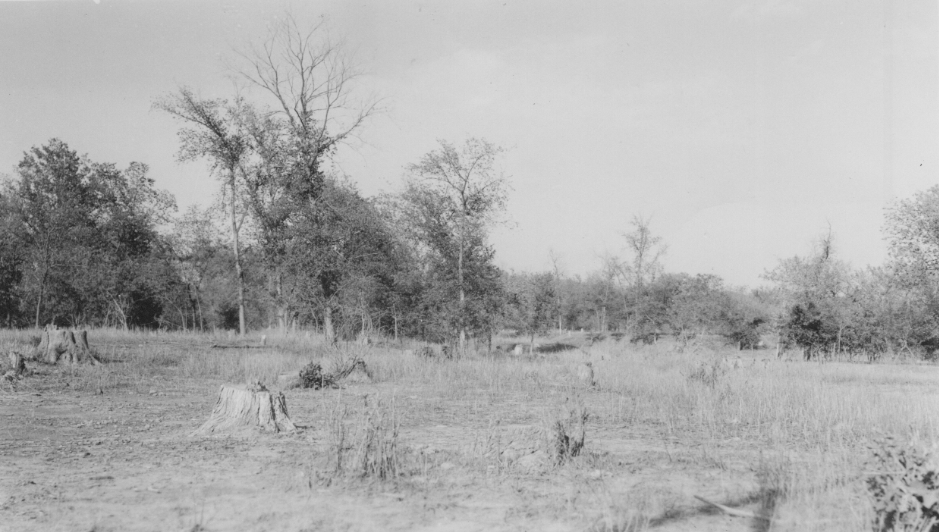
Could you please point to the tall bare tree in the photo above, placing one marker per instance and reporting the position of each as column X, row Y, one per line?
column 308, row 79
column 644, row 263
column 270, row 153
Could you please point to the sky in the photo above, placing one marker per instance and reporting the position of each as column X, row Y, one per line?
column 743, row 130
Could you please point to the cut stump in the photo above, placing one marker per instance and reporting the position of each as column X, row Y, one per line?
column 241, row 406
column 60, row 345
column 16, row 361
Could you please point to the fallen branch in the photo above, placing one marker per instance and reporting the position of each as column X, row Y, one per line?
column 223, row 346
column 732, row 511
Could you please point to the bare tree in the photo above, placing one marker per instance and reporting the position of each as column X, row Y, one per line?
column 644, row 264
column 472, row 192
column 309, row 78
column 270, row 158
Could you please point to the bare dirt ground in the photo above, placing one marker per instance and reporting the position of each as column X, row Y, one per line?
column 80, row 452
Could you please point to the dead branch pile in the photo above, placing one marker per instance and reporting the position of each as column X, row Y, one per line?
column 354, row 371
column 313, row 376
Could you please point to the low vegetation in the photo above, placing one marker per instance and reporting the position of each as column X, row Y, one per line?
column 783, row 443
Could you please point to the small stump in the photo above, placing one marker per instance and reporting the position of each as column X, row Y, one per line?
column 585, row 374
column 241, row 406
column 18, row 364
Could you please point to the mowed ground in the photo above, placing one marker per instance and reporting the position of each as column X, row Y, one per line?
column 787, row 443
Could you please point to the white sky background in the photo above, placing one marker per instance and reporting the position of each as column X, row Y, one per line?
column 742, row 128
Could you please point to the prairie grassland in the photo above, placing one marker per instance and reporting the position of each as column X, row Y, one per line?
column 789, row 442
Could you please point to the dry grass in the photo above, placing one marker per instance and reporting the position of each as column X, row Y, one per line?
column 802, row 430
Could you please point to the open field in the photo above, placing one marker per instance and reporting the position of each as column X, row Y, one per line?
column 112, row 447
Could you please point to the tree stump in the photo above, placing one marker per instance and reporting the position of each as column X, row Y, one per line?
column 19, row 366
column 242, row 406
column 62, row 345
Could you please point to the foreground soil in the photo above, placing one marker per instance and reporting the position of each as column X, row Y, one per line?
column 124, row 458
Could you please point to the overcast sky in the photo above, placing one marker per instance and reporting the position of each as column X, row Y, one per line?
column 742, row 128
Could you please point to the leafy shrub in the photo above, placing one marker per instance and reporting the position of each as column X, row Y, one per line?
column 312, row 376
column 905, row 489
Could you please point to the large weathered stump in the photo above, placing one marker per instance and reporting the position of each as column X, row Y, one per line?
column 58, row 345
column 242, row 406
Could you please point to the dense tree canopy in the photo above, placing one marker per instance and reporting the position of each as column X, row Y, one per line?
column 81, row 241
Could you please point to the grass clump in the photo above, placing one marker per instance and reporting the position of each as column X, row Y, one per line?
column 709, row 374
column 366, row 447
column 567, row 433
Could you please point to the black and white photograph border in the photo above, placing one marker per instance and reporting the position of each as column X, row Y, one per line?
column 485, row 265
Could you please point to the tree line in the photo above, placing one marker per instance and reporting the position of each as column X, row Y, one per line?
column 87, row 243
column 289, row 243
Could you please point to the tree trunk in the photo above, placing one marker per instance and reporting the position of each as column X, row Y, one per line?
column 42, row 288
column 462, row 316
column 237, row 250
column 201, row 316
column 328, row 329
column 239, row 406
column 395, row 315
column 282, row 309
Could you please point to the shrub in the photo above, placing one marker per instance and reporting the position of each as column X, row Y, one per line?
column 312, row 376
column 567, row 432
column 905, row 489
